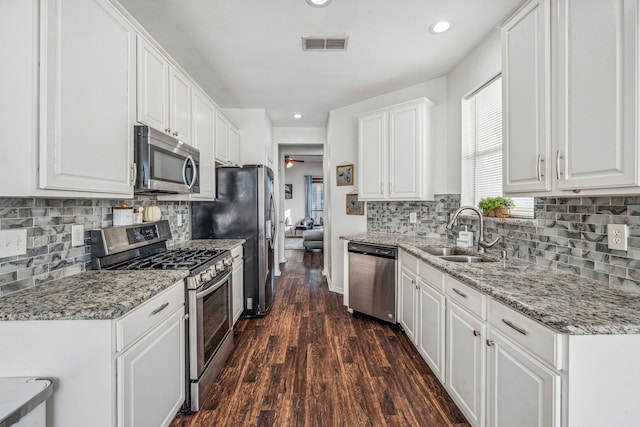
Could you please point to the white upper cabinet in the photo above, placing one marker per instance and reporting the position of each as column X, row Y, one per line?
column 234, row 145
column 87, row 97
column 164, row 94
column 592, row 80
column 204, row 140
column 393, row 152
column 222, row 137
column 597, row 72
column 227, row 141
column 526, row 86
column 372, row 164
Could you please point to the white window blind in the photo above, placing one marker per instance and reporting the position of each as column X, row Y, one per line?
column 482, row 149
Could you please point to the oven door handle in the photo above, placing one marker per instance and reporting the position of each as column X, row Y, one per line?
column 213, row 288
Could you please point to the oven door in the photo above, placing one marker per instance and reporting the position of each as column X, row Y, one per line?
column 209, row 322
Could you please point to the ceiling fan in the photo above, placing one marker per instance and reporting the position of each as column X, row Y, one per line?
column 288, row 161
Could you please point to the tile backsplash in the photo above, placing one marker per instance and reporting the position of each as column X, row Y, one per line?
column 568, row 234
column 48, row 223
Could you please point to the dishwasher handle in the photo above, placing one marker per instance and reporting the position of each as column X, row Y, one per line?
column 381, row 251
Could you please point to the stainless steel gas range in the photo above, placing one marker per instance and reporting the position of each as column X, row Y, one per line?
column 208, row 293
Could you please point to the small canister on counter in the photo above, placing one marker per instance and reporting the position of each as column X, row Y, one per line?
column 122, row 215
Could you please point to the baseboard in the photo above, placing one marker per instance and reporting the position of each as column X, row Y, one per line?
column 330, row 284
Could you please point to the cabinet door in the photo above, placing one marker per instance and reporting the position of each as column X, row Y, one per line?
column 406, row 145
column 526, row 86
column 204, row 140
column 87, row 97
column 372, row 157
column 408, row 303
column 234, row 145
column 222, row 138
column 237, row 279
column 155, row 365
column 430, row 330
column 153, row 87
column 179, row 106
column 598, row 93
column 522, row 391
column 466, row 358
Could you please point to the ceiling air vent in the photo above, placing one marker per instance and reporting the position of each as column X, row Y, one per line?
column 326, row 43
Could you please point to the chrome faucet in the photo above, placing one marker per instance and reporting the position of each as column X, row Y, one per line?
column 482, row 244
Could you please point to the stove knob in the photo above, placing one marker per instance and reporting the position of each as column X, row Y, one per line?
column 228, row 261
column 219, row 266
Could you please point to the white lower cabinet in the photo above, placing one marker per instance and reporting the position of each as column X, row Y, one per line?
column 430, row 327
column 466, row 362
column 237, row 283
column 156, row 362
column 407, row 303
column 521, row 390
column 125, row 372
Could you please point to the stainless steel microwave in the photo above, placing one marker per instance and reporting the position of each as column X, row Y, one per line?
column 164, row 165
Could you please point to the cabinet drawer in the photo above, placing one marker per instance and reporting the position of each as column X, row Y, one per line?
column 467, row 297
column 236, row 254
column 431, row 275
column 409, row 262
column 529, row 334
column 136, row 323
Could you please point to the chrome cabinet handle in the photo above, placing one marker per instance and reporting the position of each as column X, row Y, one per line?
column 134, row 173
column 558, row 158
column 517, row 328
column 462, row 294
column 381, row 188
column 539, row 174
column 159, row 309
column 167, row 130
column 476, row 333
column 175, row 134
column 490, row 343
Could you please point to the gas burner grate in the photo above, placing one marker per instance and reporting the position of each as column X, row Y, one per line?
column 174, row 259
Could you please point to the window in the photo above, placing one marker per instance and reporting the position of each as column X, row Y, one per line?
column 482, row 149
column 315, row 198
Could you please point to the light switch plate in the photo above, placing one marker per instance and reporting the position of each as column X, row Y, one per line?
column 77, row 235
column 617, row 236
column 13, row 242
column 413, row 217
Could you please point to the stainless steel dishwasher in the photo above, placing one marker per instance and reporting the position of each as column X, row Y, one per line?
column 372, row 280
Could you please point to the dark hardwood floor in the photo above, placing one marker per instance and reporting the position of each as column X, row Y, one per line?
column 311, row 363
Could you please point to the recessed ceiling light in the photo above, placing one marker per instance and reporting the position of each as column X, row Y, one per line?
column 318, row 3
column 297, row 116
column 440, row 27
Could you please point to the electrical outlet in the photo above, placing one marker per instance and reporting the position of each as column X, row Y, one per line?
column 13, row 242
column 179, row 220
column 413, row 217
column 617, row 236
column 77, row 235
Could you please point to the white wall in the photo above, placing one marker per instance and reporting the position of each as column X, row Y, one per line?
column 342, row 144
column 295, row 175
column 478, row 67
column 299, row 135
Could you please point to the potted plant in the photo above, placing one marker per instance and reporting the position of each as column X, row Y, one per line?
column 496, row 206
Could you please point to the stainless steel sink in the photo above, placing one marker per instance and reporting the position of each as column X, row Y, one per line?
column 466, row 258
column 433, row 250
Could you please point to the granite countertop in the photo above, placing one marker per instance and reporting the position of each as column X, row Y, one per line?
column 223, row 244
column 562, row 301
column 88, row 295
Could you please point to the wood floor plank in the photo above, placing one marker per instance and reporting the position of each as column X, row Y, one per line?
column 310, row 363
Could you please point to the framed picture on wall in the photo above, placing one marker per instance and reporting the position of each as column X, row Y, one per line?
column 354, row 206
column 344, row 175
column 288, row 191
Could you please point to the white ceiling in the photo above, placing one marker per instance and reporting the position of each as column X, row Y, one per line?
column 248, row 53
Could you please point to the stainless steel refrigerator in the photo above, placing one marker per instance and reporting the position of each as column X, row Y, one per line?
column 244, row 209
